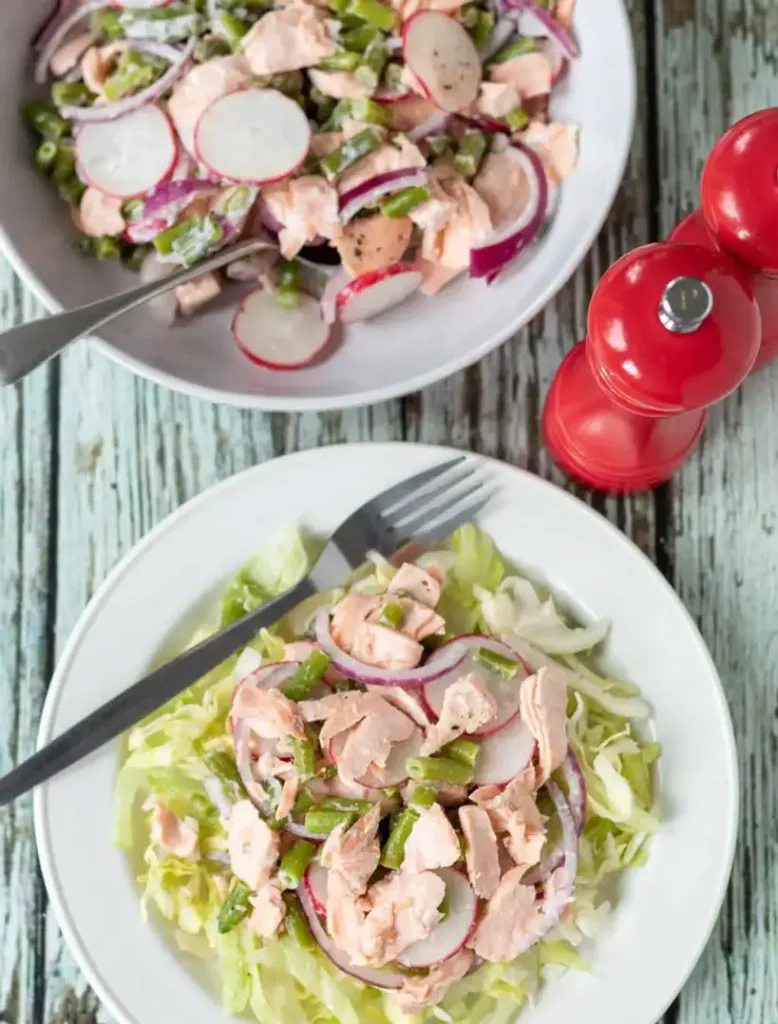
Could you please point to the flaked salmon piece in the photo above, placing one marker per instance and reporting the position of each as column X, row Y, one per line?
column 175, row 835
column 66, row 57
column 386, row 648
column 370, row 742
column 354, row 853
column 419, row 993
column 339, row 712
column 268, row 713
column 436, row 277
column 370, row 243
column 411, row 112
column 269, row 910
column 345, row 917
column 509, row 916
column 193, row 295
column 298, row 36
column 469, row 226
column 419, row 620
column 418, row 584
column 497, row 99
column 404, row 911
column 324, row 143
column 481, row 851
column 515, row 815
column 100, row 214
column 339, row 85
column 404, row 700
column 400, row 155
column 530, row 73
column 289, row 793
column 543, row 708
column 432, row 843
column 252, row 845
column 467, row 706
column 503, row 185
column 200, row 87
column 557, row 146
column 307, row 207
column 348, row 615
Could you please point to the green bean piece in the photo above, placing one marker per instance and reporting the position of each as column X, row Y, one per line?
column 353, row 149
column 235, row 908
column 345, row 804
column 208, row 47
column 173, row 23
column 304, row 802
column 230, row 29
column 132, row 208
column 392, row 614
column 290, row 83
column 46, row 155
column 288, row 295
column 46, row 121
column 371, row 67
column 462, row 750
column 189, row 240
column 407, row 199
column 470, row 153
column 71, row 191
column 358, row 39
column 468, row 15
column 338, row 6
column 294, row 863
column 107, row 248
column 374, row 12
column 316, row 664
column 507, row 667
column 71, row 94
column 107, row 24
column 64, row 165
column 439, row 769
column 342, row 60
column 223, row 768
column 371, row 112
column 440, row 145
column 296, row 924
column 327, row 771
column 525, row 45
column 393, row 76
column 321, row 823
column 423, row 796
column 517, row 119
column 135, row 71
column 393, row 853
column 304, row 758
column 482, row 29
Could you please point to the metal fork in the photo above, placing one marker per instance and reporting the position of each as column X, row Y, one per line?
column 425, row 508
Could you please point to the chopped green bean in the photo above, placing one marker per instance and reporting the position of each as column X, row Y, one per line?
column 294, row 863
column 391, row 792
column 46, row 155
column 374, row 12
column 439, row 769
column 107, row 24
column 462, row 750
column 482, row 29
column 407, row 199
column 316, row 664
column 189, row 240
column 235, row 908
column 348, row 805
column 71, row 190
column 392, row 614
column 288, row 297
column 321, row 823
column 71, row 94
column 423, row 796
column 46, row 121
column 296, row 924
column 341, row 60
column 393, row 853
column 208, row 47
column 371, row 67
column 371, row 112
column 132, row 208
column 525, row 45
column 338, row 6
column 230, row 28
column 134, row 71
column 517, row 119
column 507, row 667
column 393, row 77
column 353, row 149
column 304, row 758
column 358, row 39
column 107, row 248
column 327, row 771
column 223, row 768
column 440, row 145
column 468, row 15
column 290, row 83
column 470, row 153
column 304, row 802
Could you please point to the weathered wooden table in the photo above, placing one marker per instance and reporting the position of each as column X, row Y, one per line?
column 91, row 458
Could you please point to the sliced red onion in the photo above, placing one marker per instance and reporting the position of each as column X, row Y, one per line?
column 534, row 20
column 171, row 197
column 372, row 676
column 370, row 191
column 489, row 259
column 577, row 803
column 111, row 111
column 486, row 123
column 39, row 39
column 435, row 124
column 369, row 975
column 59, row 32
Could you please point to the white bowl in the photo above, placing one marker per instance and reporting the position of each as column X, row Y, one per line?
column 402, row 351
column 665, row 911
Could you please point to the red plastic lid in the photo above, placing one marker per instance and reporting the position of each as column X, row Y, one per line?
column 606, row 446
column 693, row 230
column 739, row 190
column 672, row 328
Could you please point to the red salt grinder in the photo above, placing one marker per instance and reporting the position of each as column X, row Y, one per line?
column 671, row 330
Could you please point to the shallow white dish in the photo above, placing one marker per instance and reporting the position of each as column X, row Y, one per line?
column 420, row 342
column 667, row 909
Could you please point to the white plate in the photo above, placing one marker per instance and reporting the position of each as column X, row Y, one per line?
column 422, row 341
column 668, row 908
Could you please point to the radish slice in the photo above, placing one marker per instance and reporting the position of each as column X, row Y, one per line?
column 278, row 338
column 254, row 136
column 129, row 156
column 315, row 881
column 395, row 773
column 504, row 691
column 504, row 754
column 442, row 55
column 448, row 937
column 369, row 975
column 376, row 291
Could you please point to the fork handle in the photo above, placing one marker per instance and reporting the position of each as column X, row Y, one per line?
column 24, row 348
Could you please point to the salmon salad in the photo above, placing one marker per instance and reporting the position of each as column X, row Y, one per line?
column 372, row 149
column 405, row 802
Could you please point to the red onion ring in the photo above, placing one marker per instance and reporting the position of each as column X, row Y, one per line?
column 41, row 70
column 436, row 123
column 112, row 111
column 176, row 194
column 576, row 784
column 369, row 975
column 528, row 9
column 372, row 676
column 489, row 259
column 368, row 192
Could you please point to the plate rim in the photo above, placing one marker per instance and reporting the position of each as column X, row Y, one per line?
column 113, row 578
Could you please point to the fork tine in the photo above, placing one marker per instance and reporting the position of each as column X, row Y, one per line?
column 441, row 528
column 449, row 498
column 395, row 494
column 412, row 502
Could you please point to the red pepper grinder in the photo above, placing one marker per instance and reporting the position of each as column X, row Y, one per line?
column 671, row 330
